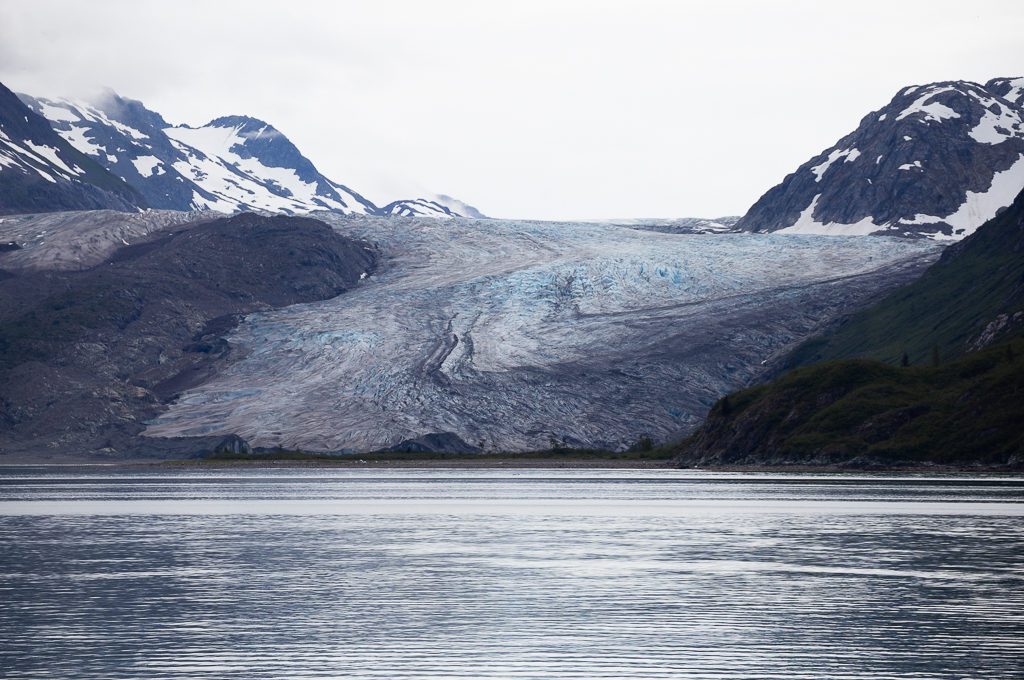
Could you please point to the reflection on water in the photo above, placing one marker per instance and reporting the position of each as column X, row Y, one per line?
column 108, row 573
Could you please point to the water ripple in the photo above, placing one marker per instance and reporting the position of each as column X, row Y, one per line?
column 410, row 574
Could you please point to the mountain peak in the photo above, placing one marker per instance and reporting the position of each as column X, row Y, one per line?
column 937, row 161
column 244, row 123
column 233, row 163
column 1010, row 89
column 41, row 171
column 438, row 206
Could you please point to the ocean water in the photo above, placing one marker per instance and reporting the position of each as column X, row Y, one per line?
column 414, row 573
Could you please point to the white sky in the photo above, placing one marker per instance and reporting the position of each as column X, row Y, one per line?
column 528, row 109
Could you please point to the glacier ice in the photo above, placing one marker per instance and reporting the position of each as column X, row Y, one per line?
column 511, row 334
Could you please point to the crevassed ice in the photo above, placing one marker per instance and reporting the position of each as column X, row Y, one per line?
column 507, row 333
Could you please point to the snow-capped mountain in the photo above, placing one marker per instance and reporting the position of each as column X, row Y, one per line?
column 247, row 164
column 438, row 206
column 40, row 171
column 230, row 164
column 938, row 161
column 124, row 137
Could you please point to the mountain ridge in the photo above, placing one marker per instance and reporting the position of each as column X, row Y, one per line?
column 42, row 171
column 937, row 161
column 233, row 163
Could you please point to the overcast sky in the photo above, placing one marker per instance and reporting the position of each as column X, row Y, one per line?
column 525, row 109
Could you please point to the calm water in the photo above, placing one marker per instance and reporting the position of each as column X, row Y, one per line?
column 113, row 573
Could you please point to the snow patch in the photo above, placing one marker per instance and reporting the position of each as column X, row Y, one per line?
column 1016, row 92
column 76, row 137
column 979, row 207
column 58, row 113
column 933, row 111
column 921, row 219
column 820, row 169
column 996, row 127
column 148, row 166
column 49, row 154
column 911, row 166
column 806, row 224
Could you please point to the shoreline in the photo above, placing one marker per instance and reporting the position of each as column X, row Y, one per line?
column 438, row 463
column 582, row 464
column 505, row 462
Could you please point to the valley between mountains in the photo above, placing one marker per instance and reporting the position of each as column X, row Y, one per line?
column 512, row 335
column 168, row 290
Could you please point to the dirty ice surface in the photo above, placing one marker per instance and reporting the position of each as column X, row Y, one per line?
column 514, row 334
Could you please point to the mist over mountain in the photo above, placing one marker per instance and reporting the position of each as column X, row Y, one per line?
column 40, row 171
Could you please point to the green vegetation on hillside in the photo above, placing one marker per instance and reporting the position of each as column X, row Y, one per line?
column 967, row 411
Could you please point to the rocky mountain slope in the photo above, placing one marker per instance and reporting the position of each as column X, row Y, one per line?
column 246, row 164
column 231, row 164
column 937, row 161
column 88, row 355
column 40, row 171
column 83, row 239
column 947, row 391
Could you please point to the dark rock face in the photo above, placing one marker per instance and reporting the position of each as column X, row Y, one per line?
column 938, row 160
column 41, row 172
column 235, row 445
column 1010, row 89
column 117, row 133
column 436, row 442
column 87, row 356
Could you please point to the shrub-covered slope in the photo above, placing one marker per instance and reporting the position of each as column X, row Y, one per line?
column 867, row 413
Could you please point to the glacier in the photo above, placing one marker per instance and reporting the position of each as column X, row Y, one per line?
column 515, row 334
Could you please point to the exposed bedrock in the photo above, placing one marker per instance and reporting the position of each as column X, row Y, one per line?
column 89, row 353
column 509, row 335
